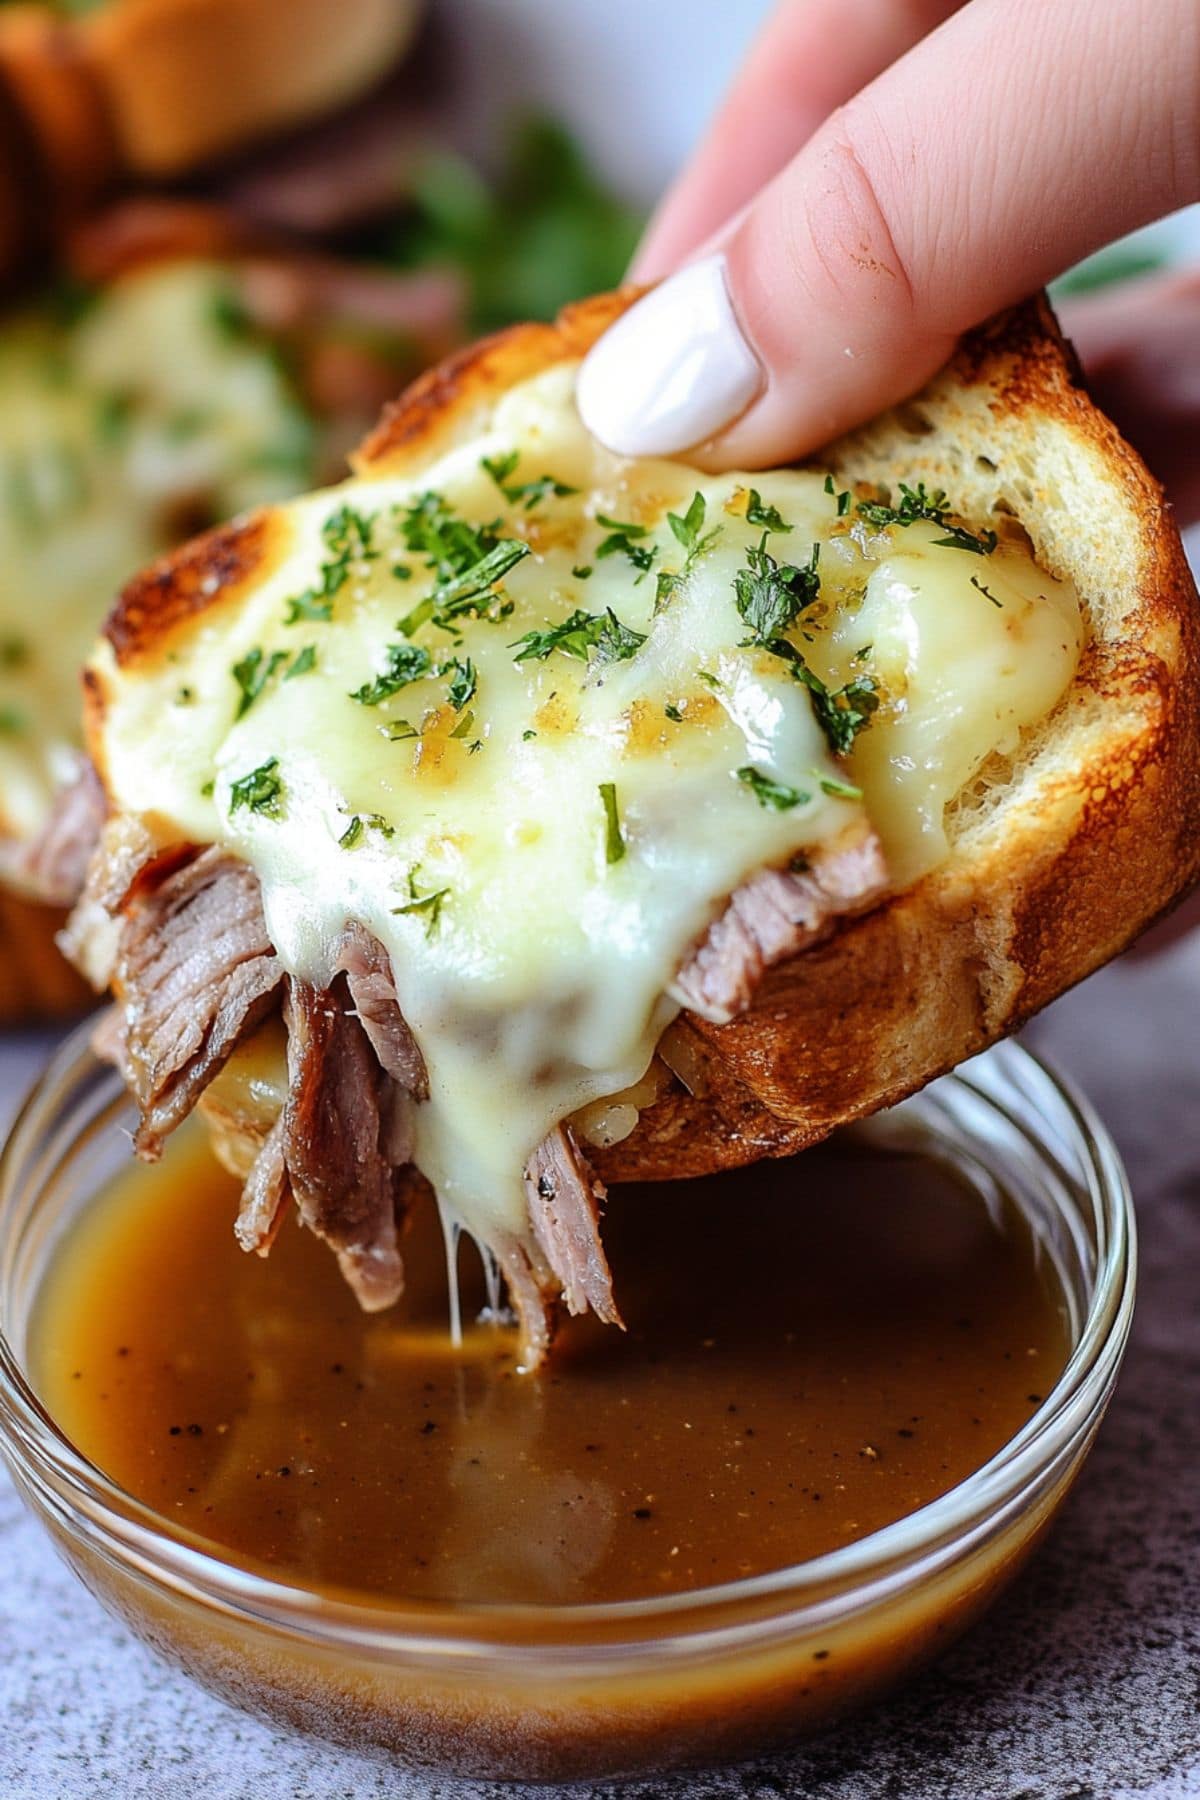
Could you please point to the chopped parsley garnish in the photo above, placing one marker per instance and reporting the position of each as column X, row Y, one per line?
column 523, row 493
column 252, row 675
column 582, row 571
column 428, row 904
column 918, row 503
column 770, row 595
column 261, row 791
column 463, row 682
column 841, row 712
column 468, row 560
column 838, row 790
column 207, row 787
column 401, row 572
column 578, row 636
column 985, row 591
column 673, row 713
column 625, row 538
column 959, row 538
column 687, row 530
column 406, row 663
column 776, row 796
column 311, row 604
column 303, row 663
column 184, row 696
column 759, row 513
column 526, row 736
column 397, row 730
column 841, row 496
column 348, row 538
column 465, row 726
column 358, row 827
column 614, row 842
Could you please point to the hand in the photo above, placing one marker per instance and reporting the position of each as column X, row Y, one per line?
column 832, row 240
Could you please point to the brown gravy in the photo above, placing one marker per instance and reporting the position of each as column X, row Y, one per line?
column 815, row 1348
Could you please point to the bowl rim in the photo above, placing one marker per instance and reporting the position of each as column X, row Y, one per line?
column 56, row 1479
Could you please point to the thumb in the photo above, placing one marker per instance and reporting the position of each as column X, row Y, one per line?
column 1016, row 139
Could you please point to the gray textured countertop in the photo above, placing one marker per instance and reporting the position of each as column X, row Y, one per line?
column 1084, row 1683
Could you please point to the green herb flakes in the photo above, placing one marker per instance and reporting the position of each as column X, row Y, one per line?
column 526, row 494
column 770, row 596
column 759, row 513
column 614, row 842
column 776, row 796
column 261, row 791
column 406, row 663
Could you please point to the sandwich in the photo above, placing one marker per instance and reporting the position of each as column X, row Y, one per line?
column 182, row 376
column 513, row 819
column 95, row 94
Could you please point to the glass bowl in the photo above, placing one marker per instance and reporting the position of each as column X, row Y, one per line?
column 564, row 1693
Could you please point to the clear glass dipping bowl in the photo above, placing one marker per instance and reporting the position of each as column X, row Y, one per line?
column 563, row 1693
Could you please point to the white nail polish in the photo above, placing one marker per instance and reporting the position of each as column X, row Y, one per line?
column 674, row 371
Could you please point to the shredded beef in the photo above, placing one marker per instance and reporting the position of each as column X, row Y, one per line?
column 195, row 972
column 345, row 1140
column 52, row 865
column 266, row 1194
column 533, row 1295
column 774, row 915
column 564, row 1197
column 368, row 971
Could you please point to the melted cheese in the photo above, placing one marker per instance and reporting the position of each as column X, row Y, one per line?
column 534, row 971
column 150, row 414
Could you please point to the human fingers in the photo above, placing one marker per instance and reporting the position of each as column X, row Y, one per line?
column 1015, row 140
column 810, row 58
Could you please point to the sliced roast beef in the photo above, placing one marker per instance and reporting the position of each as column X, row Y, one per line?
column 368, row 971
column 52, row 865
column 195, row 973
column 776, row 914
column 564, row 1197
column 533, row 1296
column 266, row 1194
column 345, row 1139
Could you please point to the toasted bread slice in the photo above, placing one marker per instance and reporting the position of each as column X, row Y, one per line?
column 1052, row 854
column 1058, row 858
column 190, row 80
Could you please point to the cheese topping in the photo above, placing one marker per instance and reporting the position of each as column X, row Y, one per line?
column 152, row 413
column 533, row 717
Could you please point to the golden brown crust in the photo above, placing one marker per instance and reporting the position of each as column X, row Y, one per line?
column 209, row 571
column 189, row 80
column 1097, row 834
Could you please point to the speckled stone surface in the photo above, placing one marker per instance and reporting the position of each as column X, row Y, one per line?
column 1084, row 1684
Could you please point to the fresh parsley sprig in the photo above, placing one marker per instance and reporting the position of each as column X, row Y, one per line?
column 405, row 664
column 770, row 596
column 349, row 539
column 776, row 796
column 688, row 530
column 430, row 904
column 581, row 635
column 526, row 494
column 919, row 503
column 758, row 512
column 625, row 538
column 260, row 791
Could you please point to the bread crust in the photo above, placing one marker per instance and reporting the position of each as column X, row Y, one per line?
column 186, row 81
column 1098, row 836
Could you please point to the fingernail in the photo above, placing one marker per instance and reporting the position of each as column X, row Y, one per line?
column 674, row 371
